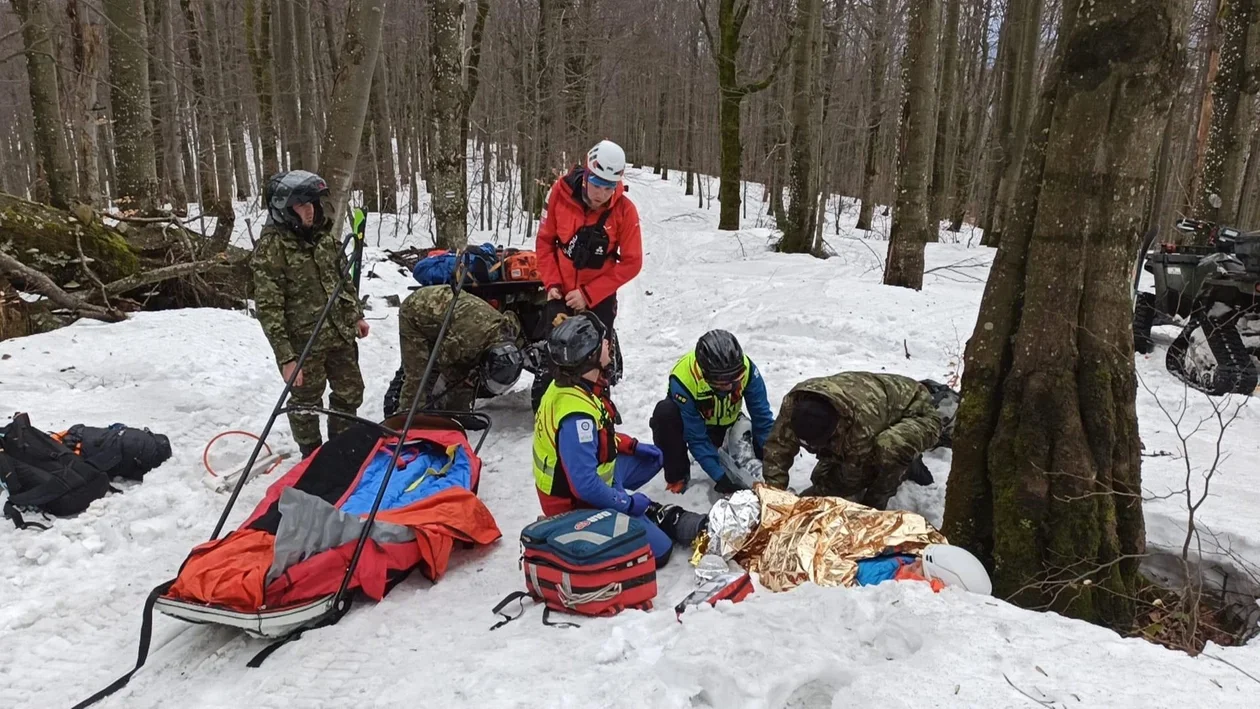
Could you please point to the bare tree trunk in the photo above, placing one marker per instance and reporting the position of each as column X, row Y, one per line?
column 910, row 215
column 946, row 128
column 155, row 10
column 448, row 167
column 305, row 70
column 383, row 146
column 879, row 67
column 41, row 70
column 330, row 36
column 87, row 58
column 201, row 107
column 798, row 231
column 1027, row 27
column 1233, row 99
column 258, row 47
column 350, row 100
column 1045, row 485
column 218, row 116
column 966, row 167
column 731, row 17
column 172, row 135
column 287, row 87
column 137, row 187
column 1198, row 135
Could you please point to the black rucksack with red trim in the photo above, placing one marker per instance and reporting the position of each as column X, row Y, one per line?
column 42, row 474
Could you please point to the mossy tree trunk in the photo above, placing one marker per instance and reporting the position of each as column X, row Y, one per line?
column 1045, row 485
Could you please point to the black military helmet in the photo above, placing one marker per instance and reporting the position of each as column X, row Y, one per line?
column 501, row 366
column 574, row 345
column 286, row 189
column 720, row 357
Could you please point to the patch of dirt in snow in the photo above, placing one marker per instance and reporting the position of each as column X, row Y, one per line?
column 73, row 594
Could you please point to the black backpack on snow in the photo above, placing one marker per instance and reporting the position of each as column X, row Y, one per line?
column 119, row 450
column 41, row 473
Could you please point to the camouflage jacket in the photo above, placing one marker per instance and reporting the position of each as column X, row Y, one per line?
column 475, row 326
column 292, row 282
column 885, row 420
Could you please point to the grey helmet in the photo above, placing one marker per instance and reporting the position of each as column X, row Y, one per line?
column 286, row 189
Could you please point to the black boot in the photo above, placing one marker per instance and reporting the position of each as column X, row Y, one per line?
column 683, row 526
column 918, row 473
column 726, row 486
column 308, row 450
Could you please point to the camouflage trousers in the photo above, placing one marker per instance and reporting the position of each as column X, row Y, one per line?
column 338, row 368
column 869, row 485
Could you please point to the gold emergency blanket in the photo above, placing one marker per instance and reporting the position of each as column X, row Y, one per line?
column 821, row 539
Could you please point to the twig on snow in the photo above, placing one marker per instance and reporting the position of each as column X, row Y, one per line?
column 1236, row 667
column 1042, row 702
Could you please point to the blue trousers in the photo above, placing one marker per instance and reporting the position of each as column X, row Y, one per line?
column 631, row 474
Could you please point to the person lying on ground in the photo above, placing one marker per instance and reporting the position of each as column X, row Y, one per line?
column 865, row 428
column 708, row 388
column 580, row 461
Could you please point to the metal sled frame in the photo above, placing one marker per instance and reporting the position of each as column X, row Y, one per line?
column 289, row 623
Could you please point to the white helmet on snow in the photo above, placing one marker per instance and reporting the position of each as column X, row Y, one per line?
column 606, row 163
column 955, row 566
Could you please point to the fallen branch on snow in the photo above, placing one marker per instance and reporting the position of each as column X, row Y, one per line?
column 39, row 283
column 158, row 275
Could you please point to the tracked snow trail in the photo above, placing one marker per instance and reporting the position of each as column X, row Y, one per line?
column 72, row 595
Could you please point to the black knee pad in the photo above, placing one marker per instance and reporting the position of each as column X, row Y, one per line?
column 666, row 415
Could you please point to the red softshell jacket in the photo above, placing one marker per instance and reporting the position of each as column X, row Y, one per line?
column 566, row 213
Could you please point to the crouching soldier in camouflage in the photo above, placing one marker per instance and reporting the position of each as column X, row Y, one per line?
column 865, row 429
column 296, row 265
column 480, row 354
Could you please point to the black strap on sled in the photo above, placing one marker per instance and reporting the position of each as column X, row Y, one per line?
column 146, row 636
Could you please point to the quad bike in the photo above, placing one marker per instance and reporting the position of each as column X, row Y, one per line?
column 1216, row 290
column 528, row 301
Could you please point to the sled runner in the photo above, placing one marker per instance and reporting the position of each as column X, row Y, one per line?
column 293, row 565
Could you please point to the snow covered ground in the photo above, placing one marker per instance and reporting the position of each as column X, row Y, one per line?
column 72, row 595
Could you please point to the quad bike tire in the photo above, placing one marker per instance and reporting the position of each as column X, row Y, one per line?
column 1234, row 373
column 542, row 382
column 1143, row 320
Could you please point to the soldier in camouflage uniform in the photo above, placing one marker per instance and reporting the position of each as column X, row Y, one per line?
column 296, row 265
column 865, row 428
column 480, row 352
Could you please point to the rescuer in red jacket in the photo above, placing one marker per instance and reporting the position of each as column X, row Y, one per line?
column 589, row 243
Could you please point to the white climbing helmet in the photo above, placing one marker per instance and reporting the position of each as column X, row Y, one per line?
column 606, row 162
column 955, row 566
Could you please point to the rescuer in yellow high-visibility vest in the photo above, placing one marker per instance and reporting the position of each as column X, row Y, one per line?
column 708, row 389
column 580, row 461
